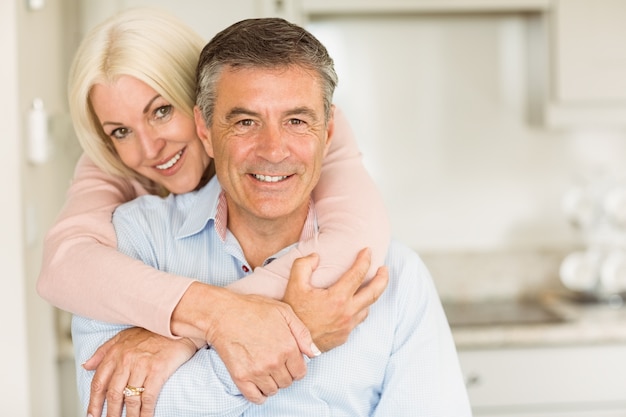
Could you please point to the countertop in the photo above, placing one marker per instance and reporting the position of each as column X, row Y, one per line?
column 579, row 323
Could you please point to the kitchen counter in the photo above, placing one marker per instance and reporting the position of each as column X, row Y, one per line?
column 567, row 322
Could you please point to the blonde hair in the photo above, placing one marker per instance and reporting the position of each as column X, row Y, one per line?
column 147, row 44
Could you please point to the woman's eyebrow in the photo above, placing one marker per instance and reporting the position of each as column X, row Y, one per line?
column 147, row 108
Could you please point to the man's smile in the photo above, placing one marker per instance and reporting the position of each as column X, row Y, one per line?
column 270, row 178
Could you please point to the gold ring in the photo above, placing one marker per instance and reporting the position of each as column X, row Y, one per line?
column 131, row 391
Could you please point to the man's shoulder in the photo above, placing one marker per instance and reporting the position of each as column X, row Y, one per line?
column 400, row 254
column 406, row 266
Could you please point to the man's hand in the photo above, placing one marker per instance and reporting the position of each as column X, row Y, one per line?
column 332, row 313
column 257, row 340
column 135, row 357
column 260, row 340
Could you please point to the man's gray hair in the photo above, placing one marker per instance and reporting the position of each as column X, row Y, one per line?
column 262, row 43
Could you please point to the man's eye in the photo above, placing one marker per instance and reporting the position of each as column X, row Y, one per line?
column 297, row 125
column 245, row 122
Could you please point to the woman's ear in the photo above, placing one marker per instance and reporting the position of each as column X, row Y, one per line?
column 203, row 131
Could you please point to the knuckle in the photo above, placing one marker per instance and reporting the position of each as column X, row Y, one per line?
column 133, row 401
column 260, row 399
column 366, row 312
column 238, row 376
column 245, row 375
column 256, row 398
column 97, row 386
column 114, row 396
column 298, row 376
column 148, row 399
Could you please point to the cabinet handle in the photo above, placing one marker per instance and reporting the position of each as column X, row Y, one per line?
column 472, row 380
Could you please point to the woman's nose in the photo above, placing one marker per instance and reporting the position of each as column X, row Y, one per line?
column 151, row 143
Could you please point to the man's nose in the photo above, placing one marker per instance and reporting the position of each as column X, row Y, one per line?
column 273, row 144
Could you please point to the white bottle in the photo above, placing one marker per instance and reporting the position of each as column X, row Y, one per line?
column 37, row 130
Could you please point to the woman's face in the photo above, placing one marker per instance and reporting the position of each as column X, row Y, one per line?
column 151, row 136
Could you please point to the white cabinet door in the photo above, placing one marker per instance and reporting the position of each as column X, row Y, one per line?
column 588, row 82
column 572, row 381
column 589, row 57
column 207, row 17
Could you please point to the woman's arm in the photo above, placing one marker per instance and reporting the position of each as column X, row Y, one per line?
column 351, row 216
column 82, row 272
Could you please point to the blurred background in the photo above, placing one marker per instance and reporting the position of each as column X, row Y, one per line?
column 495, row 129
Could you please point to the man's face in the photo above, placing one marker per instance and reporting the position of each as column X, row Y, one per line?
column 268, row 140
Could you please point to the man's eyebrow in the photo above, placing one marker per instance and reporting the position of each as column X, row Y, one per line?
column 239, row 111
column 303, row 110
column 242, row 111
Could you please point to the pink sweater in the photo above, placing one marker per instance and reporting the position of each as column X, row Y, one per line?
column 83, row 273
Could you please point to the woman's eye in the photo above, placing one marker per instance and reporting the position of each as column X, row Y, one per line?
column 119, row 133
column 163, row 111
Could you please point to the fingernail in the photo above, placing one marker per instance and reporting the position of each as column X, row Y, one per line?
column 89, row 415
column 315, row 350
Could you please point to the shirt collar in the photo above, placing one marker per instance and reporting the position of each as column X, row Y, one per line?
column 202, row 209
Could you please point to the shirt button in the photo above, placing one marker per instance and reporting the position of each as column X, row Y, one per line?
column 245, row 269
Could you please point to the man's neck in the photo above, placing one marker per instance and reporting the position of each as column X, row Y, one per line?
column 262, row 238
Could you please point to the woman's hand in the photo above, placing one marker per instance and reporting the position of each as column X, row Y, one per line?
column 135, row 357
column 332, row 313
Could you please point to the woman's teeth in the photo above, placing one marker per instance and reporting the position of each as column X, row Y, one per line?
column 267, row 178
column 171, row 162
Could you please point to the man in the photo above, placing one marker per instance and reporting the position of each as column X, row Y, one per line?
column 265, row 114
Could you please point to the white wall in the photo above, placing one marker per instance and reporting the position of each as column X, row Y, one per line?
column 14, row 396
column 207, row 17
column 35, row 45
column 441, row 106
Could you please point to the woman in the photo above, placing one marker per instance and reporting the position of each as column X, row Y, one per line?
column 84, row 274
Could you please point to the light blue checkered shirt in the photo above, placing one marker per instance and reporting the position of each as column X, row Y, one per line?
column 400, row 362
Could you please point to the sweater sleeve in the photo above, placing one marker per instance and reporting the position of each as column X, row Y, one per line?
column 82, row 271
column 351, row 216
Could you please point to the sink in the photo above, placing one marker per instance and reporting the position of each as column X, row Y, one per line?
column 506, row 312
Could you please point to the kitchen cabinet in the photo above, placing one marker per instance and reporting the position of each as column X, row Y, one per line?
column 554, row 381
column 302, row 11
column 588, row 63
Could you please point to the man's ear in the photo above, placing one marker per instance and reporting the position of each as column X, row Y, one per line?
column 202, row 131
column 330, row 130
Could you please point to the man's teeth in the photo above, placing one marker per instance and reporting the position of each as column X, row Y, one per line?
column 171, row 162
column 267, row 178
